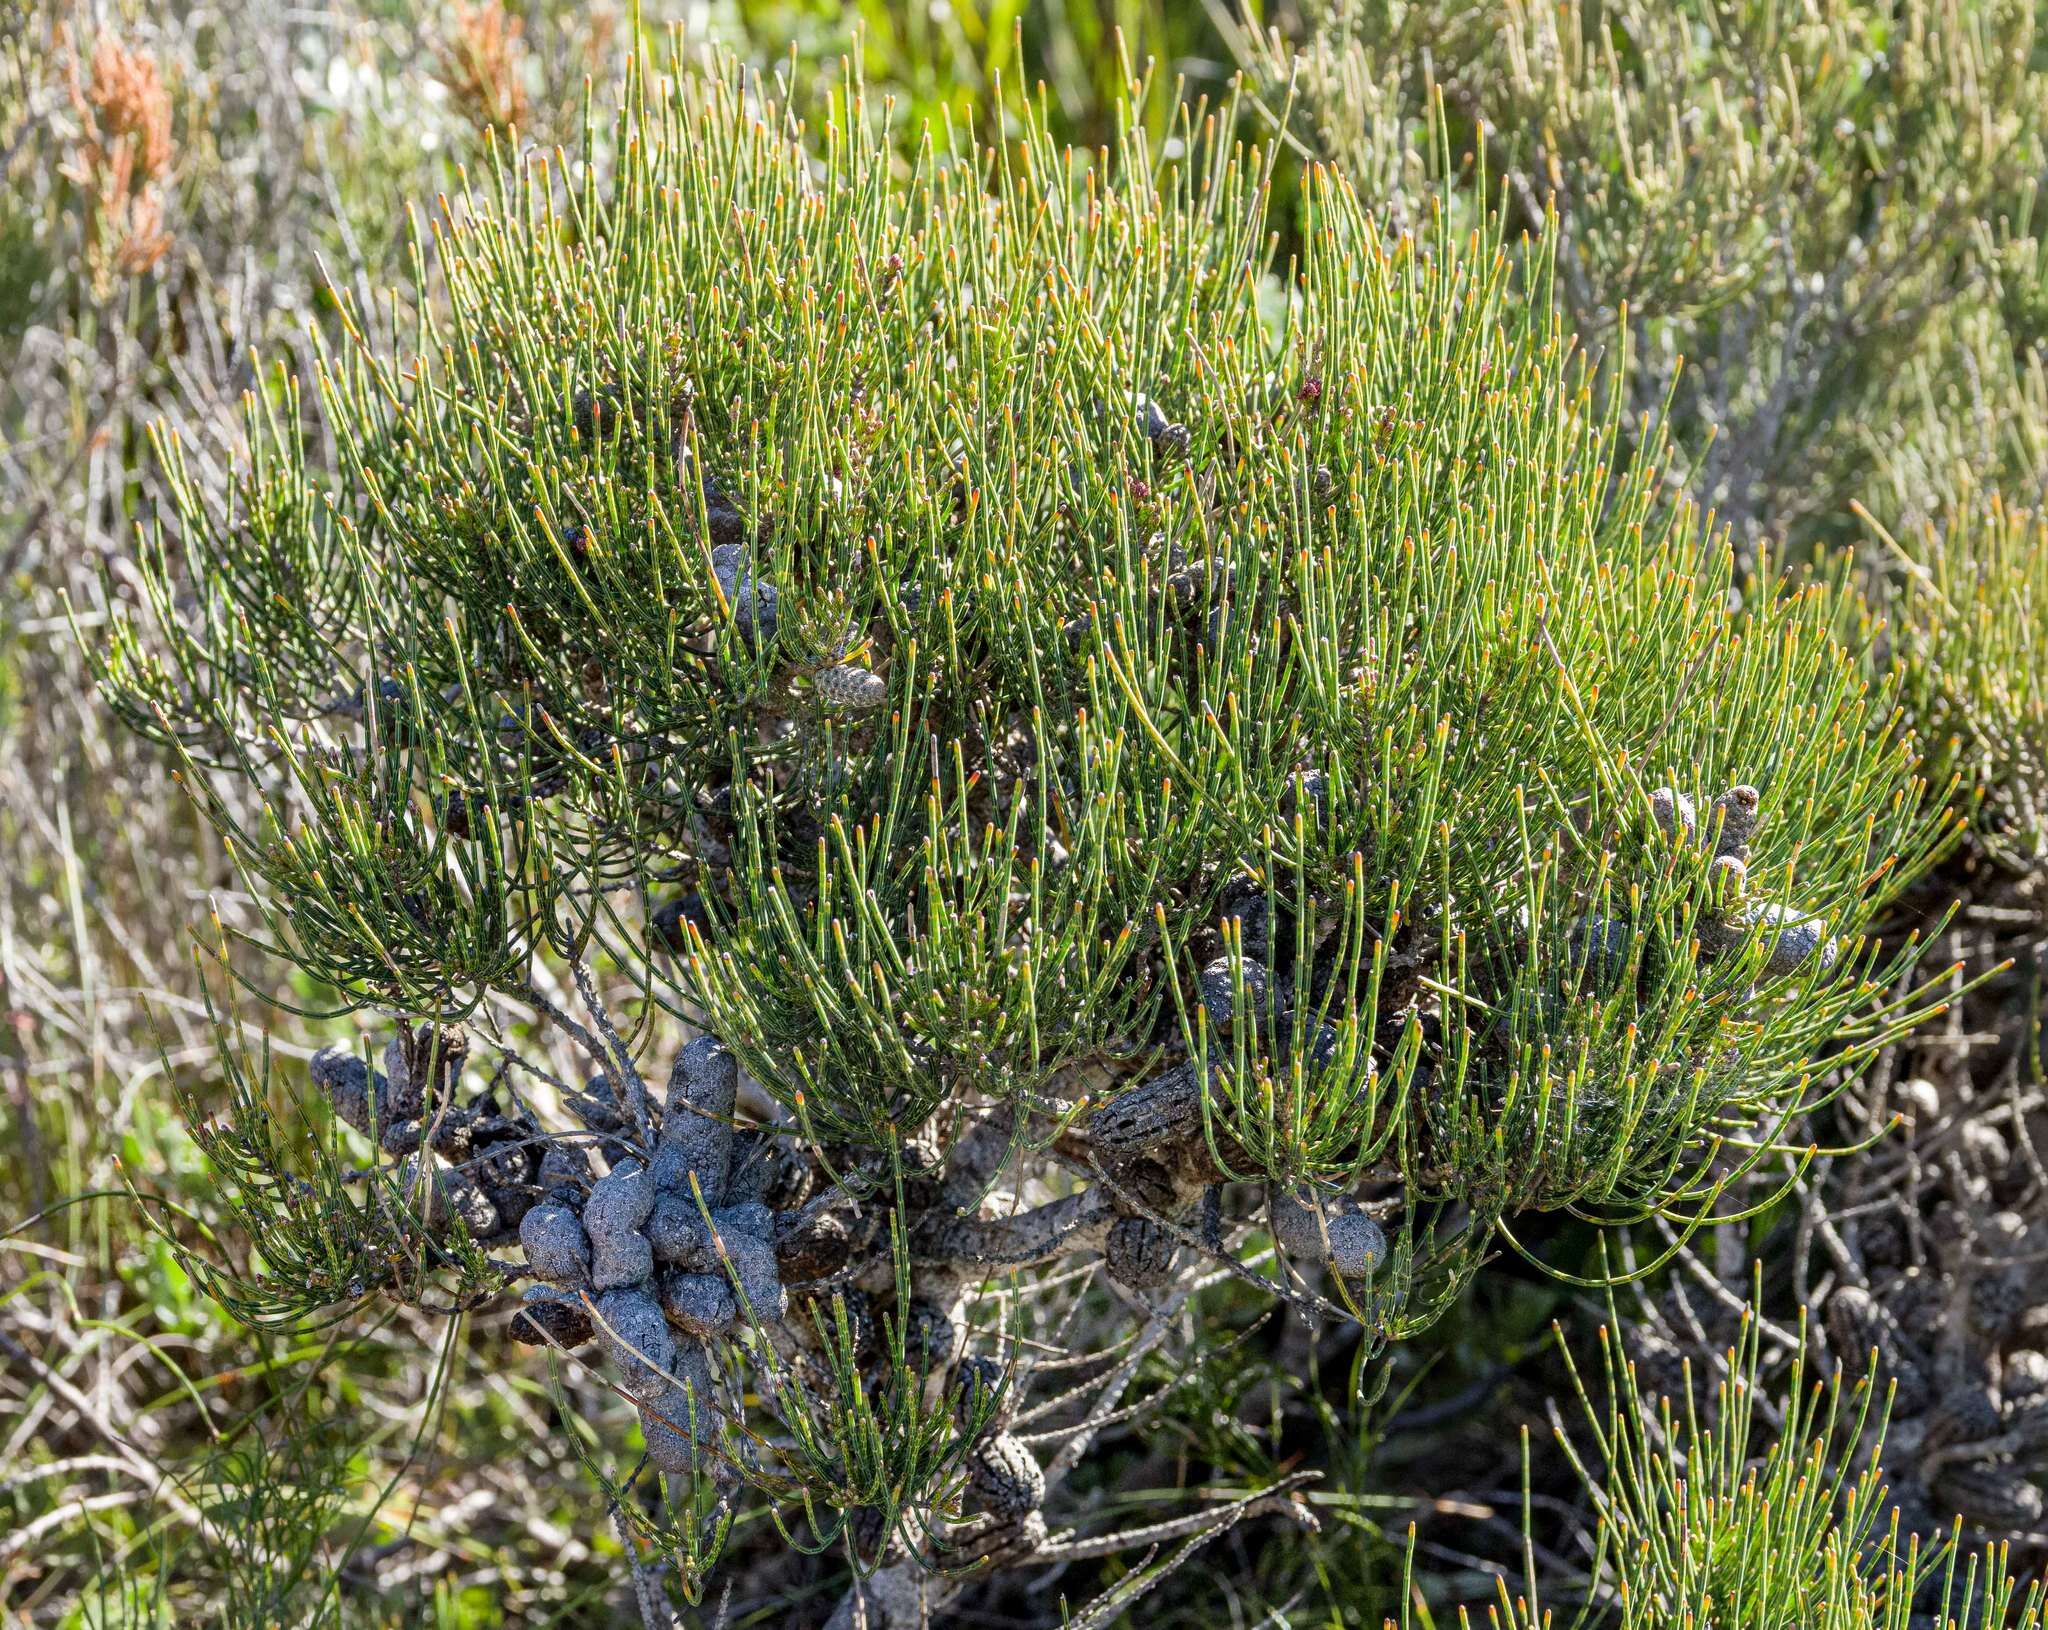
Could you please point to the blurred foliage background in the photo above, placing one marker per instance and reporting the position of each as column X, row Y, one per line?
column 1803, row 232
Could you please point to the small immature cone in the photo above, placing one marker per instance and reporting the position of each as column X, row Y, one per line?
column 752, row 602
column 1798, row 941
column 557, row 1249
column 1167, row 435
column 727, row 525
column 699, row 1304
column 1674, row 813
column 1323, row 1045
column 1308, row 792
column 676, row 1418
column 978, row 1384
column 1737, row 807
column 753, row 1266
column 636, row 1338
column 1001, row 1468
column 748, row 1217
column 675, row 1228
column 617, row 1210
column 1791, row 941
column 502, row 1156
column 1254, row 919
column 361, row 1096
column 1962, row 1414
column 407, row 1095
column 1858, row 1322
column 849, row 688
column 564, row 1167
column 1999, row 1299
column 696, row 1130
column 444, row 1194
column 1600, row 946
column 673, row 919
column 1333, row 1229
column 1727, row 878
column 655, row 1369
column 1219, row 990
column 1185, row 586
column 931, row 1338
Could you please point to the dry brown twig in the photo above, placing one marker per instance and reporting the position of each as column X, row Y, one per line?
column 122, row 156
column 481, row 56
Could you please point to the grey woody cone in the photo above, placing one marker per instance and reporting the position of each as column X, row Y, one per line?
column 617, row 1210
column 1327, row 1229
column 557, row 1248
column 849, row 688
column 1737, row 808
column 1674, row 814
column 696, row 1126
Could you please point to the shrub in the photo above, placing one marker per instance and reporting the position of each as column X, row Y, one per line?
column 1742, row 1505
column 1801, row 235
column 1806, row 242
column 1967, row 603
column 1130, row 772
